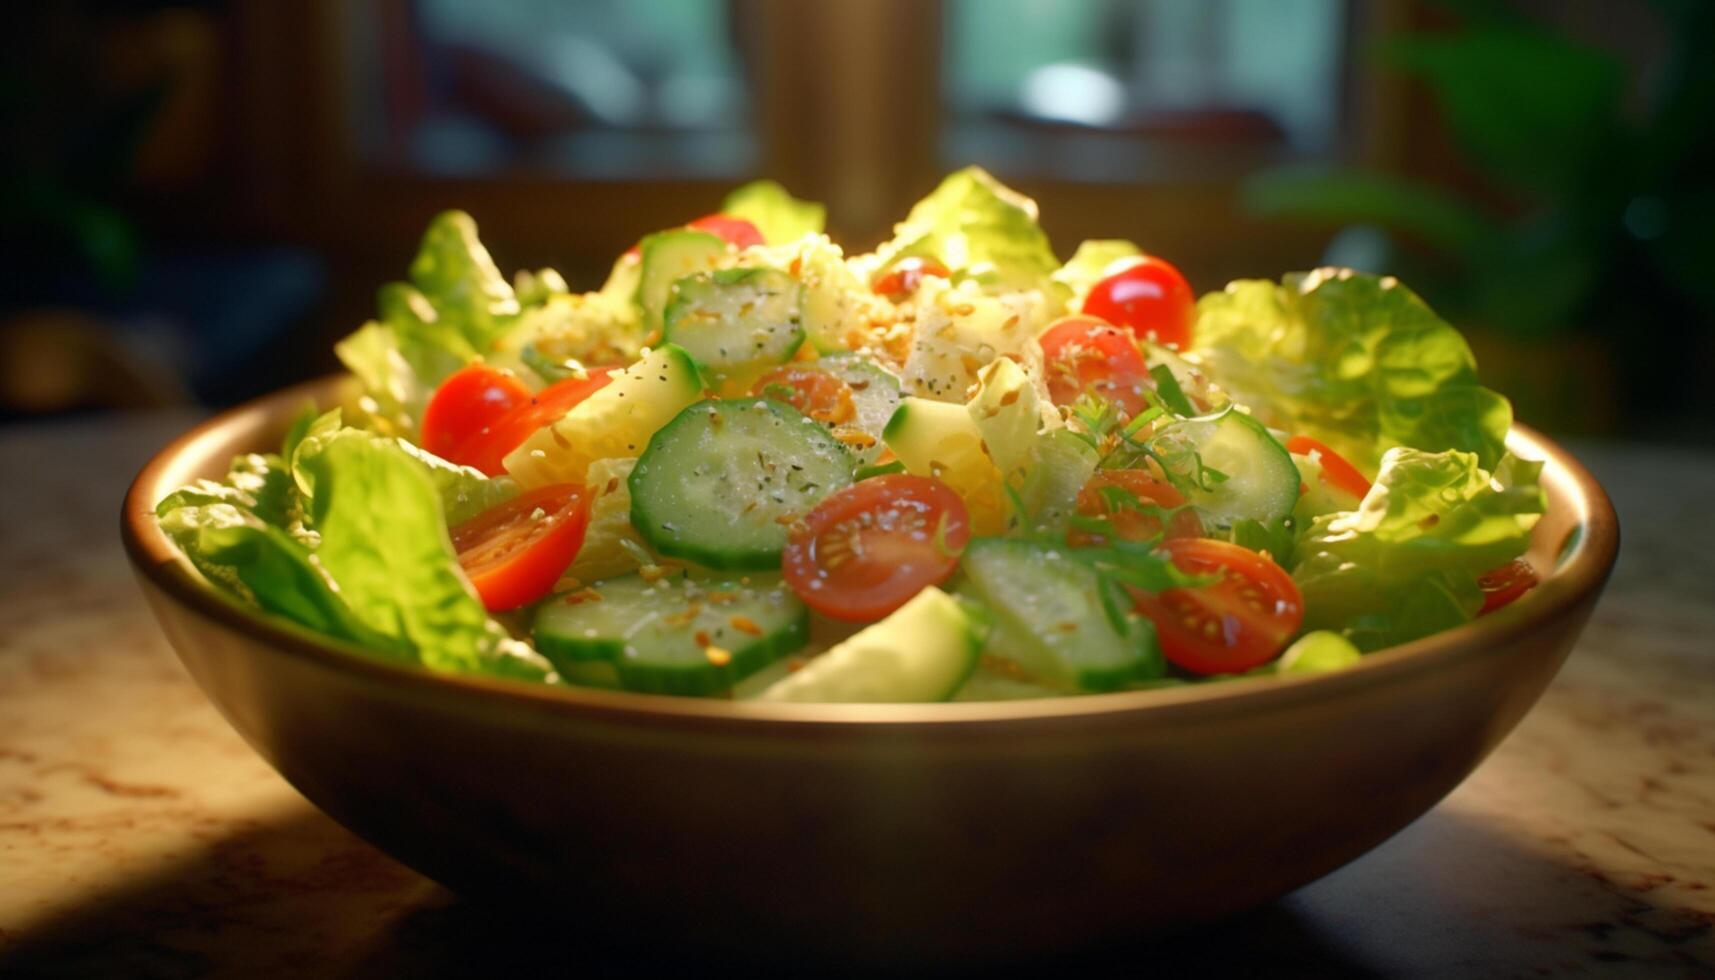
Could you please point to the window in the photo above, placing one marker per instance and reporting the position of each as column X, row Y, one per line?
column 597, row 90
column 1140, row 90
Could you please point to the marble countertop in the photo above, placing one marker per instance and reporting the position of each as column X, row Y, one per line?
column 140, row 837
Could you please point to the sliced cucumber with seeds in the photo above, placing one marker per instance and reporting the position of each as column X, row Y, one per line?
column 719, row 484
column 669, row 256
column 1254, row 477
column 875, row 395
column 673, row 636
column 923, row 651
column 735, row 321
column 1056, row 620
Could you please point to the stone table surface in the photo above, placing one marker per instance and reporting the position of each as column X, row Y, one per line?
column 140, row 837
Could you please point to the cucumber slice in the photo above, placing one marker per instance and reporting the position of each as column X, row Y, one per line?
column 923, row 651
column 1259, row 480
column 719, row 484
column 875, row 395
column 1053, row 620
column 888, row 468
column 669, row 256
column 992, row 685
column 673, row 636
column 1061, row 466
column 940, row 439
column 735, row 321
column 615, row 422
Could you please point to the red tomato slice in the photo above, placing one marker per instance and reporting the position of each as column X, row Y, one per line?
column 514, row 553
column 1504, row 584
column 1335, row 469
column 817, row 394
column 903, row 277
column 1151, row 298
column 865, row 550
column 1241, row 620
column 486, row 448
column 1128, row 523
column 737, row 232
column 1086, row 355
column 470, row 398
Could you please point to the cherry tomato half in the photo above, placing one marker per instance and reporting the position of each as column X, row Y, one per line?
column 1150, row 297
column 1129, row 523
column 470, row 398
column 865, row 550
column 903, row 277
column 817, row 394
column 1339, row 473
column 486, row 448
column 1504, row 584
column 1239, row 621
column 514, row 553
column 1086, row 355
column 736, row 232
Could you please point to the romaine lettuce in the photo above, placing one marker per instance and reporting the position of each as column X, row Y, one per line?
column 456, row 307
column 1094, row 261
column 458, row 277
column 384, row 542
column 779, row 216
column 464, row 491
column 1405, row 563
column 980, row 229
column 1355, row 360
column 235, row 534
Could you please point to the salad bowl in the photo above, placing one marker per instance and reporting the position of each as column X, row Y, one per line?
column 908, row 833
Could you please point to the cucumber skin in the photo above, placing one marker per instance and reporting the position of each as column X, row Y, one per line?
column 1088, row 678
column 882, row 389
column 1285, row 497
column 655, row 307
column 972, row 623
column 714, row 556
column 685, row 681
column 678, row 300
column 878, row 469
column 571, row 656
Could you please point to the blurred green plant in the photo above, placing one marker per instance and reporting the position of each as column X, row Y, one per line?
column 1606, row 218
column 69, row 145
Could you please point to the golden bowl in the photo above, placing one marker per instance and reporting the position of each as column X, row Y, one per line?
column 902, row 832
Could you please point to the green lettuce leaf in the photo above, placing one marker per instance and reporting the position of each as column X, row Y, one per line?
column 464, row 491
column 980, row 229
column 536, row 288
column 777, row 214
column 1405, row 563
column 235, row 533
column 455, row 309
column 256, row 483
column 458, row 277
column 384, row 541
column 1355, row 360
column 1092, row 263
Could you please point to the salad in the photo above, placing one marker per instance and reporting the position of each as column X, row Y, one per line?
column 751, row 465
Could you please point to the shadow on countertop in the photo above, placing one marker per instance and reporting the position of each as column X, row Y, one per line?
column 301, row 897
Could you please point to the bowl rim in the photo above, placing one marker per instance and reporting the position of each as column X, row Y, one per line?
column 1580, row 572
